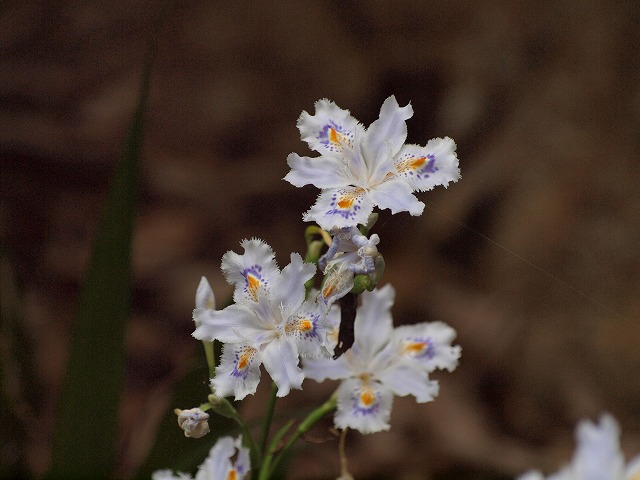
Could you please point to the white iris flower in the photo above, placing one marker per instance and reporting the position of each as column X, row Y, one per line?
column 383, row 362
column 360, row 168
column 271, row 323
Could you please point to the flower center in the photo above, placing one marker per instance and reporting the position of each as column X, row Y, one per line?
column 232, row 474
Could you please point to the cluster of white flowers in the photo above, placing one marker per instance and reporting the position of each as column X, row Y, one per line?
column 272, row 323
column 278, row 321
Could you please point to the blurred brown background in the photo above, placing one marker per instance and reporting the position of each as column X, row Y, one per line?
column 533, row 256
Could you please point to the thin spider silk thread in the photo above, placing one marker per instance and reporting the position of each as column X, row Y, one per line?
column 530, row 264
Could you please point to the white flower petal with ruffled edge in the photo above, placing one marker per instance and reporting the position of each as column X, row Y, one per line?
column 363, row 406
column 424, row 168
column 384, row 139
column 280, row 358
column 428, row 344
column 320, row 369
column 409, row 379
column 239, row 371
column 236, row 323
column 322, row 172
column 227, row 459
column 330, row 131
column 340, row 207
column 288, row 290
column 395, row 194
column 373, row 325
column 309, row 328
column 204, row 295
column 250, row 272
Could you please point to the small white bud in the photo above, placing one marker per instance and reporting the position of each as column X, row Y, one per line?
column 193, row 422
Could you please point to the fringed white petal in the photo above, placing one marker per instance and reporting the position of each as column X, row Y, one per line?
column 363, row 406
column 384, row 138
column 239, row 371
column 340, row 207
column 250, row 272
column 424, row 168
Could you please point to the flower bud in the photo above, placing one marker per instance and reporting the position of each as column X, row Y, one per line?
column 193, row 422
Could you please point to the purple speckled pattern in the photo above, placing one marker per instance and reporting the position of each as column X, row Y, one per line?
column 427, row 168
column 347, row 213
column 255, row 271
column 359, row 410
column 243, row 373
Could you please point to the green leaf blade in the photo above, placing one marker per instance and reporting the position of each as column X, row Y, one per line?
column 86, row 431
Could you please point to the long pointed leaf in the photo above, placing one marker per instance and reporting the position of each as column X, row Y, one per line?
column 85, row 435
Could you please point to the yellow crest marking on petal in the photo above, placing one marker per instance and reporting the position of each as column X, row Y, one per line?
column 232, row 475
column 302, row 325
column 418, row 162
column 245, row 359
column 347, row 199
column 253, row 284
column 414, row 163
column 414, row 347
column 367, row 396
column 333, row 136
column 345, row 202
column 243, row 362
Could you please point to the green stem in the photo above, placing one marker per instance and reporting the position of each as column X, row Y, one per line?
column 265, row 469
column 268, row 416
column 314, row 417
column 225, row 408
column 211, row 358
column 344, row 469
